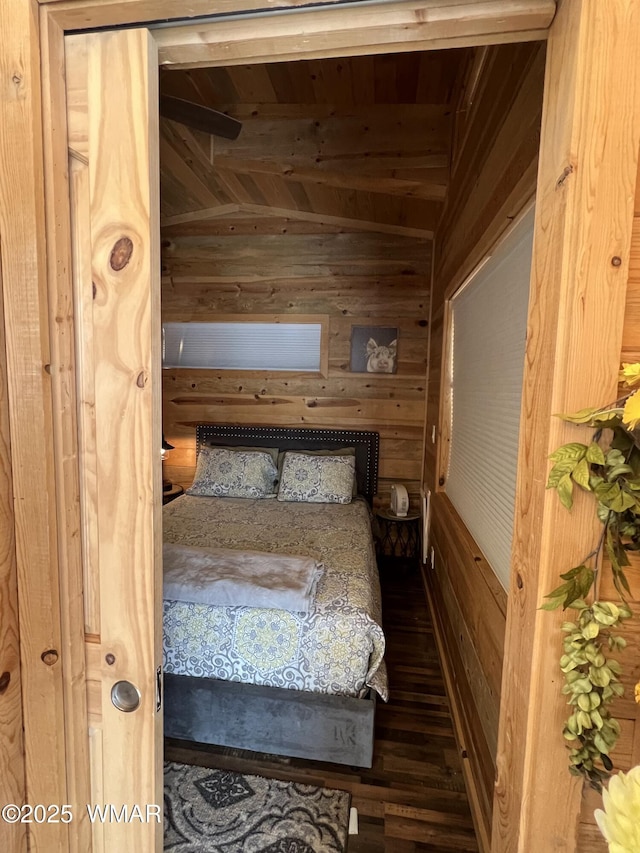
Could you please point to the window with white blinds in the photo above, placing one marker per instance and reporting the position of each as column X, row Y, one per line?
column 244, row 345
column 488, row 334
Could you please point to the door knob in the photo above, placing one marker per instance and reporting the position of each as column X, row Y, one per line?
column 125, row 696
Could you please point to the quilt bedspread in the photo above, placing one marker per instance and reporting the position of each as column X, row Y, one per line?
column 336, row 648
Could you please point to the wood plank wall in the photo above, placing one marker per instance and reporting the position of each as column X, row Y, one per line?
column 493, row 176
column 251, row 265
column 13, row 836
column 627, row 753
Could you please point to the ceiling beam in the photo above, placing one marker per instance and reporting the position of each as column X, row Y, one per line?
column 431, row 185
column 303, row 215
column 423, row 129
column 199, row 215
column 382, row 227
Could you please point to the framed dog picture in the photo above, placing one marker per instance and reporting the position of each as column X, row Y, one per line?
column 374, row 349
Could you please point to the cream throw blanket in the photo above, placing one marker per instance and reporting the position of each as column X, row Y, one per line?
column 224, row 577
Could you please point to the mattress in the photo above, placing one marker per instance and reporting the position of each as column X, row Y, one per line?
column 336, row 648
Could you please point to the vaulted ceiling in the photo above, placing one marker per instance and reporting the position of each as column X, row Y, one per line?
column 364, row 138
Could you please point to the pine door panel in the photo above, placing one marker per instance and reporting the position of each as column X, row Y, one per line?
column 112, row 80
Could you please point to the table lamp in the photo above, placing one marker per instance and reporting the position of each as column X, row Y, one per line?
column 166, row 447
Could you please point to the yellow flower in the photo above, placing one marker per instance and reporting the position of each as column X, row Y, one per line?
column 619, row 822
column 637, row 693
column 631, row 413
column 630, row 374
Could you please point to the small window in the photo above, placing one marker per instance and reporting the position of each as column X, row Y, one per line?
column 266, row 344
column 487, row 338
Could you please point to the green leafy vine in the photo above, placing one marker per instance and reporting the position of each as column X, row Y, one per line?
column 609, row 468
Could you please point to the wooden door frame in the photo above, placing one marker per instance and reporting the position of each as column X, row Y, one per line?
column 12, row 770
column 34, row 231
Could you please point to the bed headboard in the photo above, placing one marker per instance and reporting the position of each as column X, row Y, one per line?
column 296, row 438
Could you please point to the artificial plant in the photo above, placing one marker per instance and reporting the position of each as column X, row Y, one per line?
column 609, row 468
column 618, row 819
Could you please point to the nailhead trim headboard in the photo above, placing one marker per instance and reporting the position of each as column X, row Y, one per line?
column 299, row 438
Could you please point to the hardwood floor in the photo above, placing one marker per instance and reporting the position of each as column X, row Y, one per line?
column 413, row 799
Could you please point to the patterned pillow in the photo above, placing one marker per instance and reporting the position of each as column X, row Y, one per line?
column 316, row 479
column 341, row 451
column 223, row 472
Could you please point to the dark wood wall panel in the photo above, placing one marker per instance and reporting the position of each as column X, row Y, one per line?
column 250, row 266
column 475, row 751
column 492, row 177
column 494, row 166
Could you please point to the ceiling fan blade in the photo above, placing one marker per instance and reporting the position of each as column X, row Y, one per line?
column 199, row 117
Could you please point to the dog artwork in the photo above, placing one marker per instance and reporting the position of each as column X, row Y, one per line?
column 381, row 359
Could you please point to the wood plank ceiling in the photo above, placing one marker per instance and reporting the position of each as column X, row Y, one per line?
column 363, row 139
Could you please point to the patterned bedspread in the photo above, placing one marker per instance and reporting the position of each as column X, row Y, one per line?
column 336, row 648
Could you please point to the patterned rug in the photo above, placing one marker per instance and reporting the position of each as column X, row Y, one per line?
column 218, row 811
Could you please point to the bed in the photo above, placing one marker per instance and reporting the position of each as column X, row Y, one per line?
column 259, row 677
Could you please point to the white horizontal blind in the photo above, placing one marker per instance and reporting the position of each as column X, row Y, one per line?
column 489, row 325
column 243, row 345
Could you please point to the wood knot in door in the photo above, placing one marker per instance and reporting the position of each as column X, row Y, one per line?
column 121, row 254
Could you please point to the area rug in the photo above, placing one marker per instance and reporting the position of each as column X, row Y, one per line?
column 218, row 811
